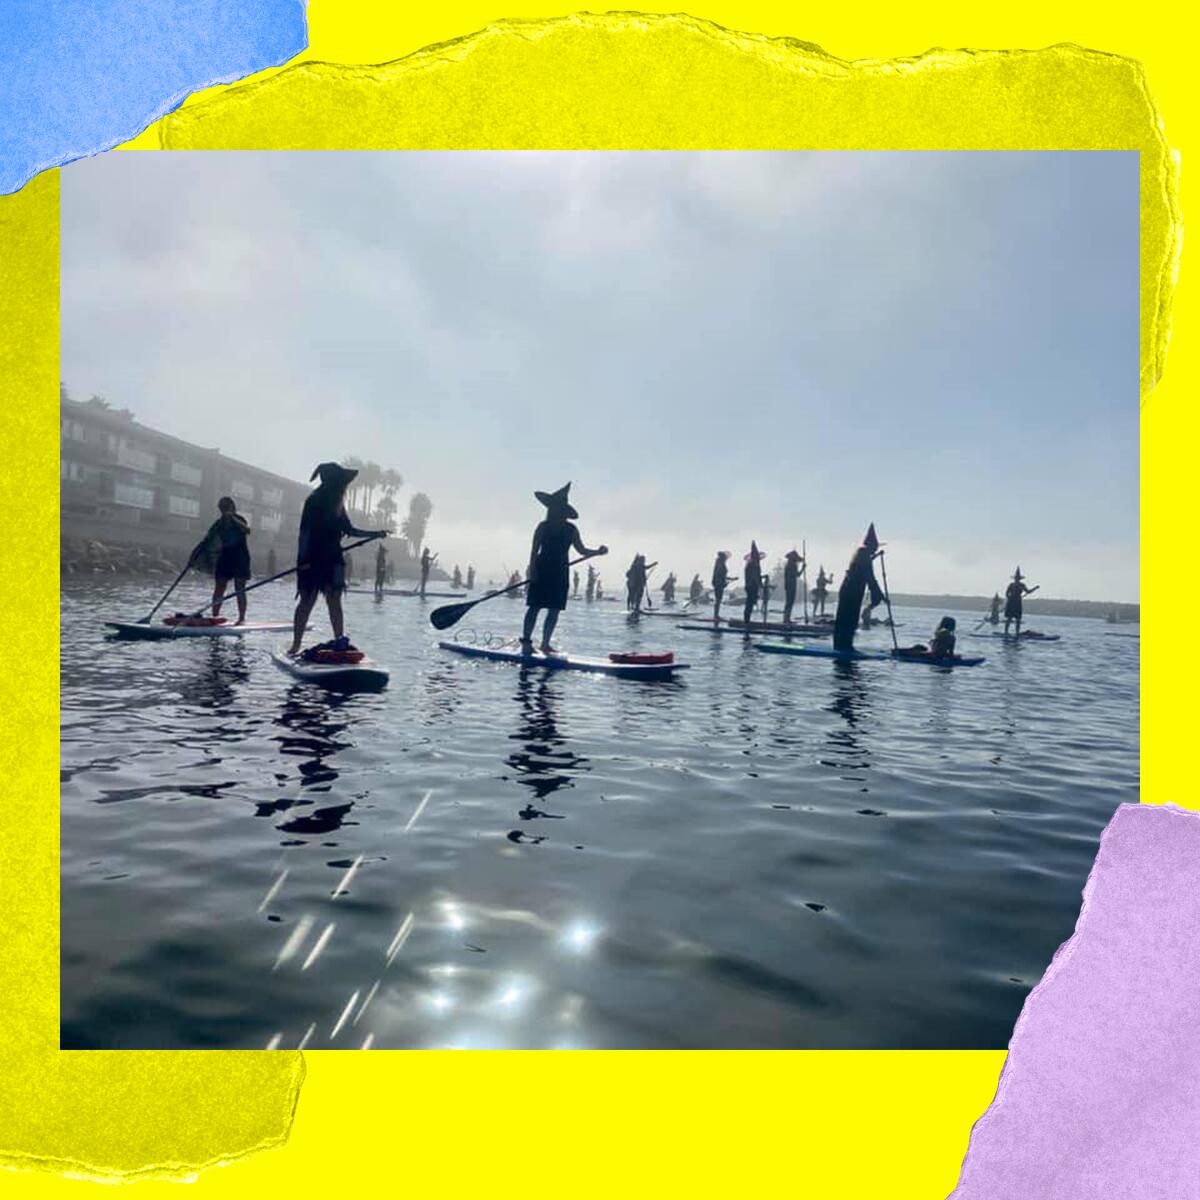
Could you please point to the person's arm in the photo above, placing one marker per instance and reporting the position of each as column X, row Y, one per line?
column 346, row 529
column 577, row 543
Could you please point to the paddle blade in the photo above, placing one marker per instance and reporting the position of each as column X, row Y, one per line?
column 450, row 614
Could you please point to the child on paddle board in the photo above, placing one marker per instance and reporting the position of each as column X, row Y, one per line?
column 227, row 536
column 859, row 577
column 635, row 584
column 752, row 582
column 942, row 644
column 1014, row 594
column 549, row 560
column 321, row 566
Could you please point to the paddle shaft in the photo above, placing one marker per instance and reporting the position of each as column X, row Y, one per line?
column 887, row 596
column 451, row 614
column 281, row 575
column 162, row 600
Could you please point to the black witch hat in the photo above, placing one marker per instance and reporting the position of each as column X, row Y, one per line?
column 553, row 500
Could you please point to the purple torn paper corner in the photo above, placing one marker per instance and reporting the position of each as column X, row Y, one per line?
column 78, row 77
column 1100, row 1096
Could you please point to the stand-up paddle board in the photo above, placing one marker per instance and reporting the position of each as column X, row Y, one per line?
column 959, row 660
column 800, row 631
column 1031, row 636
column 131, row 630
column 775, row 626
column 569, row 662
column 362, row 676
column 405, row 592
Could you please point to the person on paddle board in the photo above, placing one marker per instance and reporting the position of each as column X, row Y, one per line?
column 470, row 579
column 821, row 591
column 942, row 644
column 695, row 590
column 575, row 586
column 793, row 564
column 427, row 561
column 993, row 616
column 227, row 537
column 549, row 557
column 1014, row 594
column 668, row 589
column 859, row 578
column 380, row 568
column 768, row 586
column 320, row 563
column 720, row 581
column 752, row 581
column 590, row 590
column 456, row 578
column 635, row 583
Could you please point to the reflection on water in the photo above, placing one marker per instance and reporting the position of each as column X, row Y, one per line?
column 764, row 853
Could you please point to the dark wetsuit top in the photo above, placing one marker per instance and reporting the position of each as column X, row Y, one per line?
column 551, row 573
column 233, row 559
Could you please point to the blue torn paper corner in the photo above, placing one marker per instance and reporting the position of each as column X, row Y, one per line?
column 78, row 77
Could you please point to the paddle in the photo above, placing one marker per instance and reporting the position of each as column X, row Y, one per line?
column 451, row 614
column 178, row 579
column 887, row 596
column 283, row 574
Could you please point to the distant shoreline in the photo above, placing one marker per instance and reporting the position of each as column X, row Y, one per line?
column 1034, row 605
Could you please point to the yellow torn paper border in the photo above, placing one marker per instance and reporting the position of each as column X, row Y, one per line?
column 613, row 81
column 639, row 82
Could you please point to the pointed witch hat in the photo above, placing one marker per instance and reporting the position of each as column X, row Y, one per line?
column 755, row 553
column 553, row 500
column 870, row 540
column 332, row 474
column 1017, row 575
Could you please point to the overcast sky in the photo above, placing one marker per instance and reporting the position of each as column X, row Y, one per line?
column 712, row 346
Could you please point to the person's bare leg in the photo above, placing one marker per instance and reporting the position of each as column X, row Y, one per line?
column 240, row 588
column 531, row 616
column 304, row 607
column 333, row 598
column 548, row 629
column 218, row 596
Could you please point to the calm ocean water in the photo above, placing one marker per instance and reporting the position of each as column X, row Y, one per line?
column 769, row 853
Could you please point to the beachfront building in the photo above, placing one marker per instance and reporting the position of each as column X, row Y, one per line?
column 122, row 482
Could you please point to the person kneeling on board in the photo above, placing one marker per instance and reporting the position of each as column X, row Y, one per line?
column 227, row 535
column 320, row 564
column 549, row 563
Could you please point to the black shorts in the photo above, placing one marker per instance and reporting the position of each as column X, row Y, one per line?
column 233, row 563
column 322, row 576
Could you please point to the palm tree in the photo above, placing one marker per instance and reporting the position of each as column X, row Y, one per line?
column 351, row 463
column 420, row 509
column 385, row 512
column 371, row 476
column 392, row 480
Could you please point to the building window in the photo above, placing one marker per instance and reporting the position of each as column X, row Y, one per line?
column 272, row 496
column 73, row 430
column 75, row 472
column 133, row 497
column 183, row 506
column 182, row 473
column 270, row 522
column 138, row 460
column 241, row 491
